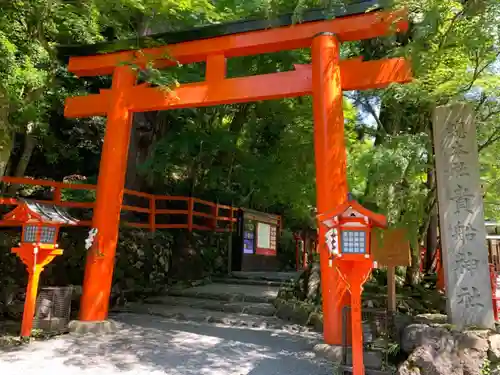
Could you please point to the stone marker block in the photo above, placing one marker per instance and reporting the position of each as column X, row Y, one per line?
column 463, row 234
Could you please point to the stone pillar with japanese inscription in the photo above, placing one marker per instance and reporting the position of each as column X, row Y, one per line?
column 463, row 234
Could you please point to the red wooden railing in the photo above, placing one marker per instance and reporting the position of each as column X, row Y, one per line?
column 210, row 220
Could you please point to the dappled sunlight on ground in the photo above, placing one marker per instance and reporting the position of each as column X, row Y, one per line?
column 152, row 345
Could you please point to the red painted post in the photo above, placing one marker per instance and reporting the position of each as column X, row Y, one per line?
column 493, row 280
column 101, row 257
column 190, row 213
column 30, row 301
column 152, row 213
column 215, row 213
column 440, row 271
column 331, row 165
column 297, row 251
column 304, row 258
column 356, row 329
column 57, row 195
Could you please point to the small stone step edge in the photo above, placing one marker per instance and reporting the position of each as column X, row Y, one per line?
column 226, row 297
column 222, row 306
column 213, row 319
column 263, row 277
column 243, row 281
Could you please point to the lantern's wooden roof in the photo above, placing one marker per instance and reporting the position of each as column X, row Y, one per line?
column 29, row 211
column 377, row 219
column 353, row 7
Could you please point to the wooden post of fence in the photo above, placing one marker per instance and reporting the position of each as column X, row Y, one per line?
column 152, row 213
column 297, row 253
column 190, row 213
column 391, row 288
column 215, row 213
column 57, row 194
column 230, row 242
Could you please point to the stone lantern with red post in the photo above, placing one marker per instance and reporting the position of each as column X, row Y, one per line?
column 38, row 246
column 348, row 238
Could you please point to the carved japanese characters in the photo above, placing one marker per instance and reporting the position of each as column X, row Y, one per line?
column 462, row 228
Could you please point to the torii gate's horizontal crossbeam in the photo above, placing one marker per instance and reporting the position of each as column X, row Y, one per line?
column 356, row 75
column 357, row 27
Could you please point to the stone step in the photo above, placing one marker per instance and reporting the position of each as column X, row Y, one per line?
column 373, row 359
column 226, row 297
column 234, row 280
column 268, row 276
column 229, row 292
column 183, row 313
column 252, row 308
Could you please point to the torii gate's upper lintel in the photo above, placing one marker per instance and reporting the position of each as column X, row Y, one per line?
column 325, row 79
column 217, row 30
column 354, row 23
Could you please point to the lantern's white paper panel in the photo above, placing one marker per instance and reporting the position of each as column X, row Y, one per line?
column 30, row 233
column 353, row 242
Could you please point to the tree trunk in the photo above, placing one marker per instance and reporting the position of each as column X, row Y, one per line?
column 147, row 128
column 412, row 274
column 30, row 142
column 135, row 154
column 432, row 230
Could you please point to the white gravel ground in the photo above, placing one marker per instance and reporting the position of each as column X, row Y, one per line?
column 153, row 346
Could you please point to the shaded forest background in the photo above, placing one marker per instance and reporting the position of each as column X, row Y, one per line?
column 256, row 155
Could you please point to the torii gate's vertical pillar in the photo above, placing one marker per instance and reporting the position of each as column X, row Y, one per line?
column 101, row 257
column 331, row 169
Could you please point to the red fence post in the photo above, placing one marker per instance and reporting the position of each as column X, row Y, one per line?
column 297, row 255
column 152, row 213
column 57, row 194
column 494, row 296
column 304, row 255
column 190, row 213
column 215, row 213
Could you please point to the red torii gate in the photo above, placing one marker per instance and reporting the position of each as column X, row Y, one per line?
column 325, row 79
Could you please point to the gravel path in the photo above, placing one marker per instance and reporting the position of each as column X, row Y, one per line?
column 153, row 346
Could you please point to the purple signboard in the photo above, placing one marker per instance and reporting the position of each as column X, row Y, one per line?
column 249, row 237
column 248, row 242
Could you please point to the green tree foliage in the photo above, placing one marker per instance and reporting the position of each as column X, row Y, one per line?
column 29, row 69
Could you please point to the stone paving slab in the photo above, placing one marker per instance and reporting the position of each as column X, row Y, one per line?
column 230, row 292
column 157, row 346
column 265, row 309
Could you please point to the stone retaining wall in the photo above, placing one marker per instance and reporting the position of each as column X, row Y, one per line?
column 436, row 348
